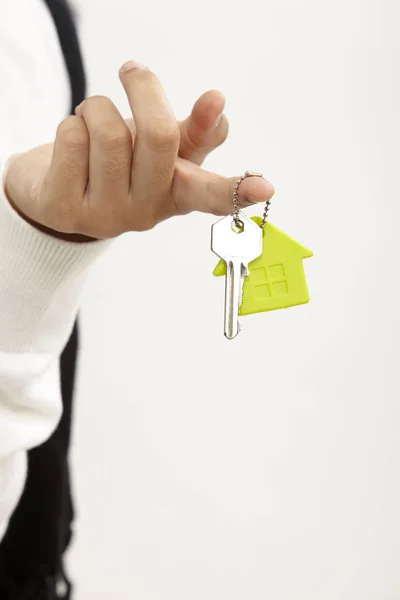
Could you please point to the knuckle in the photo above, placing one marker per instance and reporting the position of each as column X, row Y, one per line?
column 72, row 135
column 113, row 138
column 103, row 230
column 142, row 218
column 163, row 135
column 144, row 224
column 97, row 100
column 221, row 201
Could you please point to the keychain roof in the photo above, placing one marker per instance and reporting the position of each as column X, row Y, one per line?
column 277, row 278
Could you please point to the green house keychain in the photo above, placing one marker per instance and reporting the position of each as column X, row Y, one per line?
column 276, row 278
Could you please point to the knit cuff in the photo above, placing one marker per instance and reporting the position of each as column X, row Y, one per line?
column 41, row 279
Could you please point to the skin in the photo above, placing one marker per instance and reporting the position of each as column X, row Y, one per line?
column 104, row 176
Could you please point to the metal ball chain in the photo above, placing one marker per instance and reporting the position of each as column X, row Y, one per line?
column 235, row 215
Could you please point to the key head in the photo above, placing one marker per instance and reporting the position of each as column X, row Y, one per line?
column 228, row 244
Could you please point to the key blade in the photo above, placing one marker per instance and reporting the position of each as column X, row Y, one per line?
column 237, row 249
column 233, row 292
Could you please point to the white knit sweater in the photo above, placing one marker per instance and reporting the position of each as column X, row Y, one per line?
column 41, row 277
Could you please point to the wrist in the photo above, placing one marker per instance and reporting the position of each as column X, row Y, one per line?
column 16, row 186
column 68, row 237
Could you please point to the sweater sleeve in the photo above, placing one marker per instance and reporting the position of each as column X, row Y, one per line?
column 41, row 280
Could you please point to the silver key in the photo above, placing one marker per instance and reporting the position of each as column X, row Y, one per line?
column 237, row 250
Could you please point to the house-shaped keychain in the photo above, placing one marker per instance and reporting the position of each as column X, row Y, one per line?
column 277, row 278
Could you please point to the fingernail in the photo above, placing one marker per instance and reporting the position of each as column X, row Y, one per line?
column 219, row 119
column 132, row 64
column 266, row 193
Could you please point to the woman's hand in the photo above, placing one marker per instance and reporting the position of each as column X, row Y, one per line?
column 104, row 176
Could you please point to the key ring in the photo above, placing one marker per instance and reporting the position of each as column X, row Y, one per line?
column 238, row 223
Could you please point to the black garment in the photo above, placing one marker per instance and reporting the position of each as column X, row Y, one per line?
column 31, row 553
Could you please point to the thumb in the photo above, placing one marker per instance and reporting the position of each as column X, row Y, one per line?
column 196, row 189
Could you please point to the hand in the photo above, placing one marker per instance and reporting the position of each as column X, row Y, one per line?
column 104, row 176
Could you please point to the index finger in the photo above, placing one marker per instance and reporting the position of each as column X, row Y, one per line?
column 205, row 129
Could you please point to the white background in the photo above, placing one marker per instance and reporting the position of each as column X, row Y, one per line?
column 267, row 467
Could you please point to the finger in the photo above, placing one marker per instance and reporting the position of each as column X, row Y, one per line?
column 200, row 190
column 157, row 133
column 110, row 150
column 132, row 128
column 197, row 137
column 205, row 129
column 67, row 177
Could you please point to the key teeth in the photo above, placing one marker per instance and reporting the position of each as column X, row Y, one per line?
column 241, row 296
column 245, row 274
